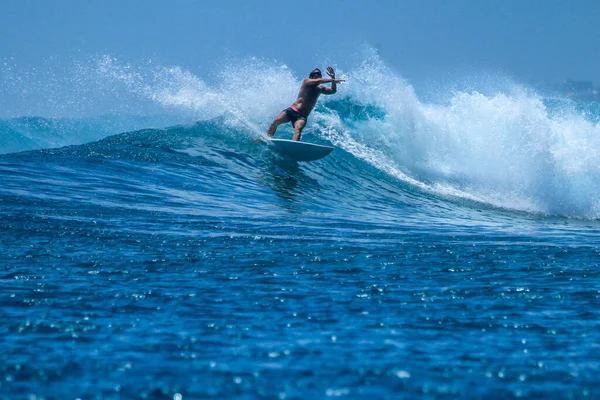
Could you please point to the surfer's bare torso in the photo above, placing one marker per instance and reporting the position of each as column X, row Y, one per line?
column 308, row 95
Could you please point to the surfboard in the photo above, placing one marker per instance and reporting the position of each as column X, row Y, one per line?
column 300, row 151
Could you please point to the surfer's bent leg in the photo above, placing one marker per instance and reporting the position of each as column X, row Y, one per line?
column 282, row 118
column 298, row 126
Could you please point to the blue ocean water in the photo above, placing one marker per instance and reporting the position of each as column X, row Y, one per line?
column 443, row 250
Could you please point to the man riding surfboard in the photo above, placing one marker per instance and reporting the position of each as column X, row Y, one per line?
column 310, row 91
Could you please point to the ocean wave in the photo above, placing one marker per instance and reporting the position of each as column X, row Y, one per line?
column 507, row 148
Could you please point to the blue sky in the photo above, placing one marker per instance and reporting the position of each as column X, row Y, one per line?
column 530, row 40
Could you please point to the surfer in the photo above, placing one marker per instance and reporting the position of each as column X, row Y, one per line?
column 298, row 112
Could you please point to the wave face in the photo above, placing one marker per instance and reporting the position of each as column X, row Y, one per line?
column 440, row 244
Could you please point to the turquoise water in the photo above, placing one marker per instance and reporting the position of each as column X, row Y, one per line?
column 441, row 251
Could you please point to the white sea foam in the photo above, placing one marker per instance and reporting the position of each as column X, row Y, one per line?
column 507, row 148
column 245, row 93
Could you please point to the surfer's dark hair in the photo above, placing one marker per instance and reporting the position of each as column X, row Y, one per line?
column 315, row 72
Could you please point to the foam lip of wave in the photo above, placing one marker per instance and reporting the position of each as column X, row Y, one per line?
column 509, row 148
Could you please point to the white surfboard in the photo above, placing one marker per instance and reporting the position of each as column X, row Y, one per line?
column 300, row 151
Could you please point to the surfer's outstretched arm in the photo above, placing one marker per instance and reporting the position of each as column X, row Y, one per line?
column 322, row 80
column 333, row 81
column 324, row 89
